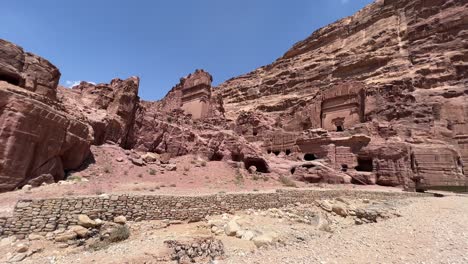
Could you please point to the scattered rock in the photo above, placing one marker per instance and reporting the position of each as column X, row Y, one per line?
column 231, row 228
column 69, row 235
column 325, row 205
column 138, row 161
column 18, row 257
column 120, row 220
column 264, row 239
column 21, row 248
column 33, row 237
column 80, row 231
column 26, row 187
column 340, row 210
column 85, row 221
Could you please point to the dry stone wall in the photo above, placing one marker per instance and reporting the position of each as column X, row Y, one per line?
column 46, row 215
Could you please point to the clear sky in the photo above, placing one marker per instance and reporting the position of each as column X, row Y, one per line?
column 161, row 41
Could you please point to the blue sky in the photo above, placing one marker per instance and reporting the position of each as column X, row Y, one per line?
column 161, row 41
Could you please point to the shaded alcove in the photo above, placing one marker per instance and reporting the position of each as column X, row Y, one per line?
column 259, row 163
column 310, row 157
column 217, row 156
column 344, row 167
column 288, row 152
column 364, row 164
column 10, row 78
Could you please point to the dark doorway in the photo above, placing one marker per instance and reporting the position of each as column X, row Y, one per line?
column 288, row 152
column 259, row 163
column 339, row 129
column 293, row 170
column 10, row 78
column 344, row 167
column 310, row 157
column 237, row 157
column 364, row 164
column 269, row 151
column 217, row 157
column 276, row 152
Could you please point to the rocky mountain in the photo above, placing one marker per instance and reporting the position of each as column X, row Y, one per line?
column 380, row 97
column 395, row 71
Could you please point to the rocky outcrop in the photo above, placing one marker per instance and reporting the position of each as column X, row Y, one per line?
column 27, row 70
column 37, row 139
column 395, row 72
column 109, row 108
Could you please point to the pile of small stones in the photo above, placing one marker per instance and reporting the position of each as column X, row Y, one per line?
column 203, row 250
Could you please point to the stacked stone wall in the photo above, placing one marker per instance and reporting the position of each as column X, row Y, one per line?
column 46, row 215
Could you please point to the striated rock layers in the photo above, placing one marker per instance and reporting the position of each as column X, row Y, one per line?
column 109, row 108
column 380, row 97
column 395, row 71
column 36, row 136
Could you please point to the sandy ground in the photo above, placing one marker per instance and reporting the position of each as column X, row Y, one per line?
column 107, row 175
column 430, row 230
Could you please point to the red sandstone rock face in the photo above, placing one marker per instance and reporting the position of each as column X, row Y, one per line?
column 396, row 71
column 27, row 70
column 36, row 138
column 109, row 108
column 376, row 98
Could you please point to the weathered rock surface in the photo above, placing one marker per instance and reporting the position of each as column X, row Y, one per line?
column 36, row 138
column 108, row 108
column 395, row 71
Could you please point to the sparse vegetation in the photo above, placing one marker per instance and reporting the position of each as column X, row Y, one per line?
column 186, row 168
column 239, row 178
column 69, row 193
column 287, row 181
column 74, row 177
column 107, row 168
column 203, row 163
column 173, row 185
column 256, row 177
column 98, row 192
column 140, row 175
column 152, row 171
column 117, row 234
column 120, row 233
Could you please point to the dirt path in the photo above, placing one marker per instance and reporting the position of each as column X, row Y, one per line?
column 432, row 230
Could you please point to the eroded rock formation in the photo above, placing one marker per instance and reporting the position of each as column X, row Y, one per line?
column 380, row 97
column 395, row 72
column 109, row 108
column 36, row 136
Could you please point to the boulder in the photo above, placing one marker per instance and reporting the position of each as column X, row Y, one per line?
column 120, row 220
column 265, row 239
column 80, row 231
column 41, row 180
column 64, row 237
column 150, row 157
column 21, row 248
column 326, row 205
column 138, row 161
column 85, row 221
column 231, row 228
column 340, row 210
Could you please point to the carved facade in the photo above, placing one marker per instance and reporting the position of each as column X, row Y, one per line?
column 339, row 107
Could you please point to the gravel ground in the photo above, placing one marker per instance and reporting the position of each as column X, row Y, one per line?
column 431, row 230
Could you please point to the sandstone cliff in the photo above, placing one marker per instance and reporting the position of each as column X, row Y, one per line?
column 410, row 59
